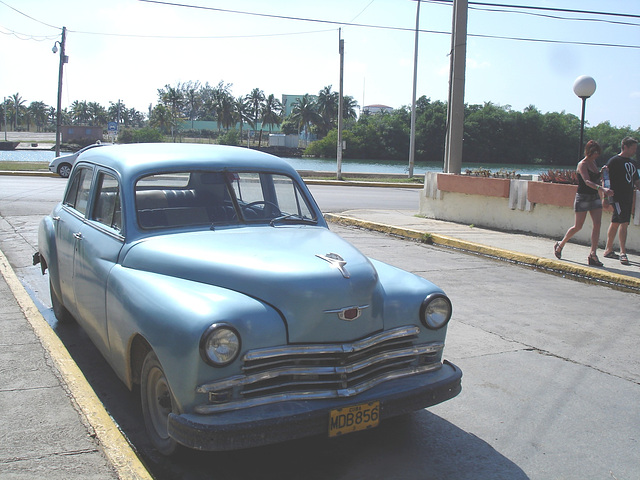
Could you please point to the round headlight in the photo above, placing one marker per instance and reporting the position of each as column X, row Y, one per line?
column 435, row 311
column 220, row 345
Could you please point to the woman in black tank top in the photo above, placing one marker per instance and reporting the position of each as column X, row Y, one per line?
column 587, row 200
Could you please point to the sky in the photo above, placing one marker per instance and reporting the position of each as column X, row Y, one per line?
column 128, row 49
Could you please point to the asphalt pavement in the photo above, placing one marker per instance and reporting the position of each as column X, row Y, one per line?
column 52, row 424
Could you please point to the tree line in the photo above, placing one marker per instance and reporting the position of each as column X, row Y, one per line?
column 492, row 133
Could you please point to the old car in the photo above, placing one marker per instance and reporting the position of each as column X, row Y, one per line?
column 63, row 164
column 208, row 276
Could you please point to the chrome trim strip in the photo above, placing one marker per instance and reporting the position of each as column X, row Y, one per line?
column 243, row 380
column 328, row 394
column 337, row 348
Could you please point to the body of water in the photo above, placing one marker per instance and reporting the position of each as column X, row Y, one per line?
column 330, row 165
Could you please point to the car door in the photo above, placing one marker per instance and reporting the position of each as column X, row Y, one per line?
column 97, row 249
column 69, row 221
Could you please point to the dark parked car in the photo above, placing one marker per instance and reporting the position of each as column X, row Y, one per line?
column 208, row 276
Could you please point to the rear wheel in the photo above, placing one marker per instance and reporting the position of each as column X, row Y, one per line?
column 157, row 404
column 59, row 310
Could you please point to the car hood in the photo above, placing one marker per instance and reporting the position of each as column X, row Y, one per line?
column 316, row 280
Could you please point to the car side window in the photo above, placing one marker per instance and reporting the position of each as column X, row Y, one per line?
column 77, row 196
column 107, row 209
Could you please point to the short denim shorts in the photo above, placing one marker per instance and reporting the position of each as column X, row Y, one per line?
column 587, row 201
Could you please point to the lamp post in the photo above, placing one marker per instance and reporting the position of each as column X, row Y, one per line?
column 583, row 87
column 63, row 59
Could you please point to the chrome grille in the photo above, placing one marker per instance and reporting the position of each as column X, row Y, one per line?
column 322, row 371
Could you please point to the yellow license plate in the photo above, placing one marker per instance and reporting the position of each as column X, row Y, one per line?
column 354, row 418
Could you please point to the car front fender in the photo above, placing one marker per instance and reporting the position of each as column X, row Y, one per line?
column 172, row 314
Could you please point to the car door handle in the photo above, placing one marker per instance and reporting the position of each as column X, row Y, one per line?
column 55, row 218
column 77, row 236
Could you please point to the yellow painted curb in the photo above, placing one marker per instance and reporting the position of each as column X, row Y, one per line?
column 114, row 444
column 361, row 183
column 544, row 263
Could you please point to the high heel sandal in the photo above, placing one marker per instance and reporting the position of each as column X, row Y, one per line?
column 594, row 261
column 557, row 250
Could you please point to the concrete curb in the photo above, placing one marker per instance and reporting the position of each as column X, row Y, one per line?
column 27, row 173
column 115, row 446
column 545, row 264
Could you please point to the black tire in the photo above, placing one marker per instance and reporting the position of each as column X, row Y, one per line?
column 157, row 404
column 64, row 170
column 59, row 310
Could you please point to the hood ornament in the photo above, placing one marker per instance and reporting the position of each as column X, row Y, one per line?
column 336, row 261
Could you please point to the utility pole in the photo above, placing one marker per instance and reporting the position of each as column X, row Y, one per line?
column 63, row 59
column 455, row 113
column 4, row 109
column 412, row 136
column 340, row 104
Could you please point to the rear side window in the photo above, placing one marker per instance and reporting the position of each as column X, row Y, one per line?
column 77, row 196
column 107, row 209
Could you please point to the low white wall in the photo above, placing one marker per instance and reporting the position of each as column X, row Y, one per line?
column 516, row 213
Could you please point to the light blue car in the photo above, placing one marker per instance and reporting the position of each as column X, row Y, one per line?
column 208, row 276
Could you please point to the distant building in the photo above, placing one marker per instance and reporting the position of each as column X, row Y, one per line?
column 371, row 109
column 72, row 133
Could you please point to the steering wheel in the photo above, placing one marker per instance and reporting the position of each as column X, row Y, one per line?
column 274, row 208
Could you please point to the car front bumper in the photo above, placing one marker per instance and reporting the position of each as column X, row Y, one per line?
column 284, row 421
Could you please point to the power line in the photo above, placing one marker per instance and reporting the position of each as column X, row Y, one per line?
column 29, row 17
column 496, row 7
column 350, row 24
column 25, row 36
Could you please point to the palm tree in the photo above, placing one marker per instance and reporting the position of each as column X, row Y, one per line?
column 255, row 100
column 136, row 118
column 226, row 110
column 328, row 108
column 271, row 112
column 193, row 99
column 80, row 112
column 305, row 113
column 172, row 98
column 162, row 118
column 97, row 114
column 18, row 108
column 38, row 112
column 349, row 106
column 243, row 114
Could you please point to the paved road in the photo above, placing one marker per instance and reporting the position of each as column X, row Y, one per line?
column 551, row 385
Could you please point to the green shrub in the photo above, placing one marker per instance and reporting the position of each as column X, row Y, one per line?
column 230, row 137
column 142, row 135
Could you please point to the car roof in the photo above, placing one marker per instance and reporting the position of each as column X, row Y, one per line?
column 135, row 160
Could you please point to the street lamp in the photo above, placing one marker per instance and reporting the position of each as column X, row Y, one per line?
column 583, row 87
column 63, row 59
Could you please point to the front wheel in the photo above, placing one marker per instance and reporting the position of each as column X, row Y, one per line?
column 64, row 170
column 156, row 404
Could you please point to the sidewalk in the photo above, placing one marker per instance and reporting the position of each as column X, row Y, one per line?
column 52, row 425
column 518, row 248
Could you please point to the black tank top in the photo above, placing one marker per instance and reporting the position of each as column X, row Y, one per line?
column 583, row 187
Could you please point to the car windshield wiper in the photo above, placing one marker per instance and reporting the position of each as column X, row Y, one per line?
column 293, row 218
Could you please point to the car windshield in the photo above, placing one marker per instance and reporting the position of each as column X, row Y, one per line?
column 188, row 199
